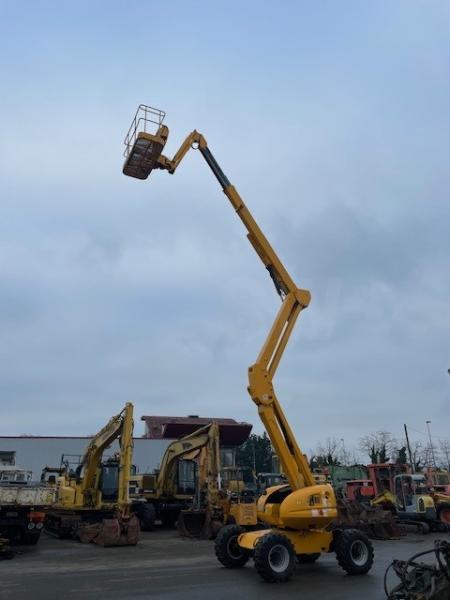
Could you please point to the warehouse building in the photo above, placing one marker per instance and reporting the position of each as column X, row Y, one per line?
column 36, row 452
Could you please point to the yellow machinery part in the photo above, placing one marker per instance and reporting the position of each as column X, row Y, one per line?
column 244, row 513
column 313, row 506
column 304, row 542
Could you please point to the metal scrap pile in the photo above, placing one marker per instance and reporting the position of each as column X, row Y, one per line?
column 375, row 522
column 421, row 581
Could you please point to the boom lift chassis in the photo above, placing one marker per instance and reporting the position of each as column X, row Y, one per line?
column 301, row 512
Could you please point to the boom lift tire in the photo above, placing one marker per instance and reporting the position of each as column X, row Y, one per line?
column 307, row 559
column 274, row 558
column 227, row 548
column 354, row 551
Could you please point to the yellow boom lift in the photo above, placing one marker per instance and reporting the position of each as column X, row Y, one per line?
column 299, row 514
column 93, row 504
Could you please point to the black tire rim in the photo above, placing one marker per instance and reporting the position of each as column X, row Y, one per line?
column 233, row 549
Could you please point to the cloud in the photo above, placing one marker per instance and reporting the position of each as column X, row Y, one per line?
column 116, row 290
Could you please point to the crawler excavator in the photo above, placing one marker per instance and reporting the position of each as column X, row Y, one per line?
column 93, row 504
column 299, row 514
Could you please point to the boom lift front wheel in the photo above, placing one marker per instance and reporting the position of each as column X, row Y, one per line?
column 274, row 558
column 354, row 551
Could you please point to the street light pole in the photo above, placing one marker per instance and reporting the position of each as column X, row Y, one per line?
column 431, row 443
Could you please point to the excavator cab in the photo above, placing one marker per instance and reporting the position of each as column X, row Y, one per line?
column 109, row 481
column 187, row 477
column 412, row 499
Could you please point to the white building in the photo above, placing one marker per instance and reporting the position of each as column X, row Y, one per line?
column 36, row 452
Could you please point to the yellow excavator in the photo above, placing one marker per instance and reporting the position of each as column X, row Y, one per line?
column 215, row 503
column 93, row 504
column 187, row 489
column 298, row 515
column 187, row 473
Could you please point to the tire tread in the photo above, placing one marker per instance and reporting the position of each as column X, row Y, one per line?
column 261, row 558
column 341, row 545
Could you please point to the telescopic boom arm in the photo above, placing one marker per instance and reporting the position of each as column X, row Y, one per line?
column 294, row 300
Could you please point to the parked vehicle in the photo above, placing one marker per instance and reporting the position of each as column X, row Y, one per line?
column 22, row 505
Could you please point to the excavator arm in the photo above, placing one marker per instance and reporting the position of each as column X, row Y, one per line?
column 187, row 447
column 144, row 155
column 119, row 426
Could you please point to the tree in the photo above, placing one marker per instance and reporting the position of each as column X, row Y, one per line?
column 418, row 455
column 402, row 458
column 326, row 454
column 379, row 446
column 256, row 452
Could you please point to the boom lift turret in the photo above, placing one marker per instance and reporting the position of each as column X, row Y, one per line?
column 300, row 513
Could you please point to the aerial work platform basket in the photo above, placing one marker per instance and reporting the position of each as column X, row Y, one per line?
column 144, row 142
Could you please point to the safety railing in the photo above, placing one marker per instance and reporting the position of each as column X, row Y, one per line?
column 145, row 119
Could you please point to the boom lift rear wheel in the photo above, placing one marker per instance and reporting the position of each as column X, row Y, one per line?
column 228, row 551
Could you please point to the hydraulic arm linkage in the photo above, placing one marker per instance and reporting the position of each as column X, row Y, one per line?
column 144, row 156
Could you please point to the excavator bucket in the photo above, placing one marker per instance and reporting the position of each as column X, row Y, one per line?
column 197, row 524
column 111, row 532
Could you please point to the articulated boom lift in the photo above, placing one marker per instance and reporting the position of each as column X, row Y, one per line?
column 299, row 513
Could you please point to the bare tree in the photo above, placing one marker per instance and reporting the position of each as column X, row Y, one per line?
column 418, row 453
column 327, row 453
column 379, row 446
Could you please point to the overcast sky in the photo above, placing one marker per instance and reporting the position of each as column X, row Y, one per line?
column 333, row 121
